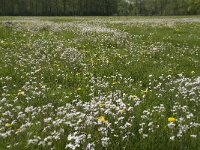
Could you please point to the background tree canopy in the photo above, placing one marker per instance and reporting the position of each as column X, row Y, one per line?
column 99, row 7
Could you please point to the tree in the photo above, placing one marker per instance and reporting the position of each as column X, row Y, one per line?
column 99, row 7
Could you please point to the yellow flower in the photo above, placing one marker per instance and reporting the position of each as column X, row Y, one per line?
column 21, row 93
column 134, row 96
column 78, row 89
column 114, row 83
column 101, row 105
column 171, row 119
column 145, row 91
column 192, row 72
column 122, row 111
column 102, row 118
column 8, row 124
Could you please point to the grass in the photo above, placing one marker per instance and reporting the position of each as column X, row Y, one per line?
column 58, row 75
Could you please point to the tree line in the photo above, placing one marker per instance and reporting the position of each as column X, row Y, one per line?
column 98, row 7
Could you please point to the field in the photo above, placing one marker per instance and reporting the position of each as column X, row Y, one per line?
column 89, row 83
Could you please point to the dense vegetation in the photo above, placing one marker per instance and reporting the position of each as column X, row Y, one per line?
column 99, row 7
column 99, row 83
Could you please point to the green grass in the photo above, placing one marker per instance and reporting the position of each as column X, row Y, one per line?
column 117, row 67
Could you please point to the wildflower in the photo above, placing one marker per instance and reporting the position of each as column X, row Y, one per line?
column 155, row 48
column 193, row 136
column 41, row 143
column 90, row 146
column 102, row 118
column 145, row 91
column 8, row 124
column 192, row 72
column 171, row 125
column 172, row 138
column 145, row 136
column 21, row 93
column 171, row 119
column 114, row 83
column 122, row 111
column 101, row 105
column 104, row 141
column 134, row 96
column 78, row 89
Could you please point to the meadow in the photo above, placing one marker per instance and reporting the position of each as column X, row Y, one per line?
column 90, row 83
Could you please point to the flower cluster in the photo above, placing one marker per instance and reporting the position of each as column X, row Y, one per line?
column 106, row 83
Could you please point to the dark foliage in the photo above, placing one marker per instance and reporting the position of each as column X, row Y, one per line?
column 98, row 7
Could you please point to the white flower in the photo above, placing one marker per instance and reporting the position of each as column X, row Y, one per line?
column 172, row 138
column 145, row 136
column 69, row 137
column 90, row 146
column 171, row 125
column 42, row 143
column 104, row 141
column 71, row 146
column 193, row 136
